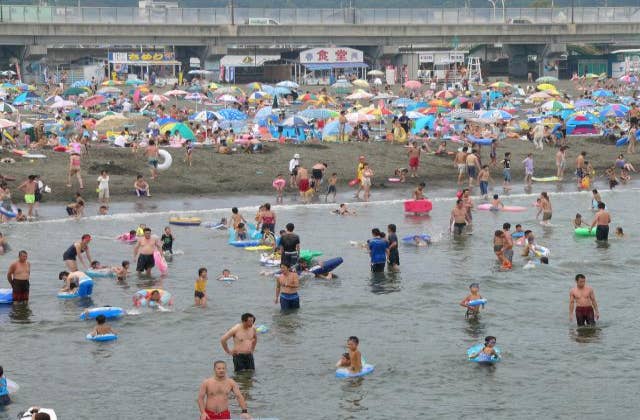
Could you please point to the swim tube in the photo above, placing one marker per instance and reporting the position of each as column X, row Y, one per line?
column 185, row 221
column 584, row 231
column 410, row 239
column 517, row 234
column 7, row 213
column 262, row 329
column 12, row 387
column 479, row 359
column 84, row 289
column 327, row 266
column 476, row 302
column 279, row 183
column 141, row 298
column 100, row 272
column 110, row 312
column 28, row 416
column 418, row 206
column 166, row 163
column 345, row 373
column 160, row 262
column 102, row 337
column 127, row 239
column 541, row 251
column 270, row 260
column 6, row 296
column 487, row 206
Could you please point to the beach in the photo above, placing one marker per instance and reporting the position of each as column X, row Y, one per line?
column 218, row 174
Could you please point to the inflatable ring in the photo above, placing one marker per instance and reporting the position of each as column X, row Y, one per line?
column 476, row 302
column 84, row 289
column 279, row 183
column 394, row 179
column 141, row 298
column 166, row 163
column 476, row 348
column 109, row 312
column 102, row 337
column 185, row 221
column 100, row 273
column 28, row 416
column 6, row 296
column 344, row 372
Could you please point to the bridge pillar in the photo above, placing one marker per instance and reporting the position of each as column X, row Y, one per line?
column 519, row 58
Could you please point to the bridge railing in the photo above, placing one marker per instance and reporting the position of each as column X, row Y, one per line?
column 327, row 16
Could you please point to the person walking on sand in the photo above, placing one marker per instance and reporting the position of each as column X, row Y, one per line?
column 631, row 147
column 414, row 159
column 561, row 161
column 29, row 187
column 213, row 396
column 528, row 169
column 459, row 162
column 74, row 169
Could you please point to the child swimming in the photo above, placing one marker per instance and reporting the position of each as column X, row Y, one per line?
column 474, row 294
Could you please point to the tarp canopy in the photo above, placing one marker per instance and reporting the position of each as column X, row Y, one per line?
column 329, row 66
column 247, row 60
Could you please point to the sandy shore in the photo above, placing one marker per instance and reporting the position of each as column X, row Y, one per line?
column 215, row 174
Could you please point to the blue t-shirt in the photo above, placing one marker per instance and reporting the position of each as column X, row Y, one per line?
column 378, row 248
column 3, row 387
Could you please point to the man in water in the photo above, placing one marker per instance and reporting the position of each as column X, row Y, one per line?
column 378, row 251
column 143, row 251
column 213, row 397
column 583, row 299
column 289, row 246
column 459, row 218
column 602, row 220
column 507, row 244
column 244, row 343
column 18, row 277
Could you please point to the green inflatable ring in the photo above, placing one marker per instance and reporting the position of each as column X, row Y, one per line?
column 584, row 231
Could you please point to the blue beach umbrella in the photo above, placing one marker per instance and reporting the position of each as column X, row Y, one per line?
column 231, row 114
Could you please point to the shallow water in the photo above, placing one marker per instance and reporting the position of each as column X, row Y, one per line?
column 409, row 323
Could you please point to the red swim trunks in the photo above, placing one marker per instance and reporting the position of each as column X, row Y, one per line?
column 223, row 415
column 303, row 185
column 414, row 162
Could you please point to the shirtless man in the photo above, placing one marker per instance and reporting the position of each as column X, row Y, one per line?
column 303, row 183
column 601, row 220
column 580, row 172
column 152, row 153
column 213, row 397
column 473, row 166
column 414, row 159
column 29, row 187
column 18, row 277
column 507, row 245
column 236, row 218
column 70, row 279
column 244, row 343
column 545, row 208
column 459, row 218
column 418, row 193
column 584, row 300
column 459, row 163
column 143, row 251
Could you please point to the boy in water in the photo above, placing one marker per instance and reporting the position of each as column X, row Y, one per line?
column 200, row 288
column 578, row 222
column 167, row 241
column 226, row 274
column 474, row 294
column 619, row 232
column 241, row 232
column 102, row 327
column 496, row 203
column 141, row 187
column 122, row 271
column 343, row 210
column 331, row 191
column 354, row 359
column 4, row 392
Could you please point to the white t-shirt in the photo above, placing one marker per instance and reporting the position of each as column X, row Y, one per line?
column 120, row 141
column 103, row 183
column 293, row 163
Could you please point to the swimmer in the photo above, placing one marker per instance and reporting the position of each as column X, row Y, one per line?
column 103, row 210
column 583, row 299
column 533, row 263
column 102, row 327
column 4, row 392
column 236, row 218
column 578, row 222
column 154, row 297
column 71, row 280
column 418, row 241
column 303, row 268
column 619, row 232
column 529, row 244
column 474, row 294
column 213, row 396
column 279, row 183
column 95, row 265
column 595, row 199
column 241, row 232
column 343, row 210
column 488, row 352
column 518, row 229
column 353, row 359
column 418, row 193
column 496, row 203
column 268, row 238
column 226, row 274
column 200, row 288
column 122, row 272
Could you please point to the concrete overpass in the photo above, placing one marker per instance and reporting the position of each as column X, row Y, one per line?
column 224, row 27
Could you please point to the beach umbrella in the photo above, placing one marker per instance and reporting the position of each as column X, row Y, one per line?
column 332, row 129
column 264, row 113
column 203, row 116
column 318, row 113
column 277, row 91
column 416, row 105
column 359, row 94
column 422, row 123
column 539, row 96
column 500, row 85
column 296, row 121
column 591, row 76
column 287, row 84
column 465, row 114
column 226, row 98
column 546, row 79
column 213, row 86
column 357, row 117
column 109, row 90
column 182, row 129
column 584, row 103
column 582, row 118
column 155, row 98
column 4, row 123
column 458, row 101
column 495, row 115
column 194, row 88
column 62, row 104
column 81, row 83
column 75, row 91
column 229, row 90
column 112, row 120
column 377, row 112
column 414, row 115
column 433, row 110
column 6, row 108
column 402, row 102
column 439, row 102
column 258, row 96
column 176, row 93
column 614, row 110
column 555, row 106
column 111, row 83
column 254, row 86
column 546, row 86
column 384, row 95
column 26, row 97
column 134, row 82
column 445, row 94
column 195, row 96
column 94, row 100
column 231, row 114
column 103, row 114
column 377, row 81
column 361, row 83
column 376, row 73
column 602, row 93
column 629, row 78
column 412, row 84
